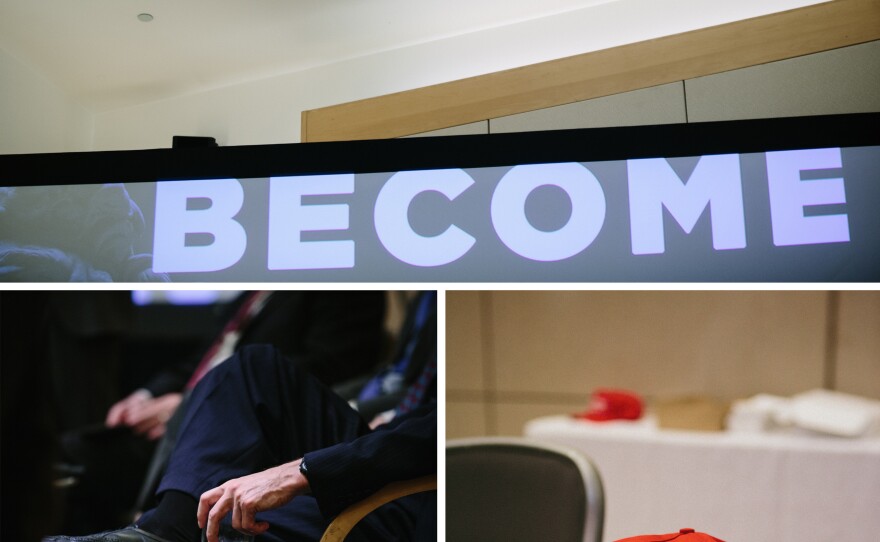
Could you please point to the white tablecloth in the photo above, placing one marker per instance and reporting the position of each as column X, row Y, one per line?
column 739, row 487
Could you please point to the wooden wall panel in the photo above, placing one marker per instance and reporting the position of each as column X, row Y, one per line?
column 656, row 105
column 845, row 80
column 464, row 350
column 548, row 350
column 857, row 360
column 640, row 65
column 726, row 344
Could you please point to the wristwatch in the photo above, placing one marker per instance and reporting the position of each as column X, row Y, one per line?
column 303, row 469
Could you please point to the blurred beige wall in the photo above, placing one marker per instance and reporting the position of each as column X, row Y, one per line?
column 514, row 356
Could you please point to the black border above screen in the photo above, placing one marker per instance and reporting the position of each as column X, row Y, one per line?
column 370, row 156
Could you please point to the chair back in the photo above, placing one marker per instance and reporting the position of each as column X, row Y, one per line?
column 515, row 489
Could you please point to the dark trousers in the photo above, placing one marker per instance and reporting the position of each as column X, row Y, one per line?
column 256, row 411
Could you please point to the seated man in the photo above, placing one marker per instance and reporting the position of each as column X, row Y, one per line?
column 335, row 335
column 261, row 436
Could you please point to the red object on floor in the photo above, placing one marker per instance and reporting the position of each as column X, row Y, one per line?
column 683, row 535
column 606, row 405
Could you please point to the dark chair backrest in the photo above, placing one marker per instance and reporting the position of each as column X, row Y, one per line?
column 518, row 490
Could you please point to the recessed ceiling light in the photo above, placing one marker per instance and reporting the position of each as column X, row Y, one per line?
column 145, row 17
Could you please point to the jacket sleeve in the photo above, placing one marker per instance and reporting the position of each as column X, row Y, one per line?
column 348, row 472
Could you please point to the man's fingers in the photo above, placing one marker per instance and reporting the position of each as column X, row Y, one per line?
column 149, row 421
column 119, row 413
column 236, row 515
column 146, row 425
column 244, row 518
column 217, row 513
column 248, row 523
column 137, row 417
column 156, row 431
column 247, row 519
column 113, row 420
column 247, row 496
column 206, row 501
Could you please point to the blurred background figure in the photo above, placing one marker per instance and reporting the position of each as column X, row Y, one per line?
column 91, row 237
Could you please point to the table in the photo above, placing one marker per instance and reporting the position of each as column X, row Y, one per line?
column 740, row 487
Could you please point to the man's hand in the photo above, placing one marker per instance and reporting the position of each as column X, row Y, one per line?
column 118, row 413
column 145, row 414
column 247, row 495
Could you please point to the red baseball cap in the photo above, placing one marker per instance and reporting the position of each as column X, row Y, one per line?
column 683, row 535
column 606, row 404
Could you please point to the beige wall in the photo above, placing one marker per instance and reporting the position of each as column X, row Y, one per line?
column 513, row 356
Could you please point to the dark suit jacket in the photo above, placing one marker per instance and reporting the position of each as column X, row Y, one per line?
column 350, row 471
column 406, row 448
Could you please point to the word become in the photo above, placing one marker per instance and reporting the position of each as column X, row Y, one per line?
column 653, row 188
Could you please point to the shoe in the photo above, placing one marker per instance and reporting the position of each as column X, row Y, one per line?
column 129, row 534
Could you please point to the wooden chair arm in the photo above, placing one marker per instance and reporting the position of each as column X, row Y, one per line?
column 348, row 518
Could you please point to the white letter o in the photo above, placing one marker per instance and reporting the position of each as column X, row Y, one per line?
column 513, row 227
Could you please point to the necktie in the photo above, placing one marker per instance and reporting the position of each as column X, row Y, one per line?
column 416, row 393
column 225, row 343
